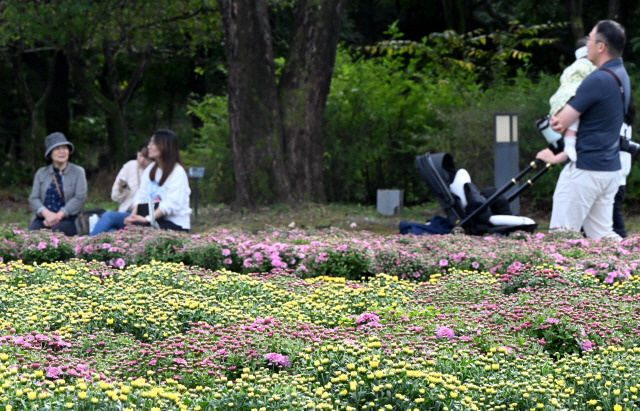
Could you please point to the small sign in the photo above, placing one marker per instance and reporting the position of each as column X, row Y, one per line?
column 390, row 202
column 196, row 172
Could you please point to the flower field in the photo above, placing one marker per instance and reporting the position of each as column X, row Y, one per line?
column 324, row 320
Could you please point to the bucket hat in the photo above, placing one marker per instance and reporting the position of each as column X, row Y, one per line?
column 54, row 140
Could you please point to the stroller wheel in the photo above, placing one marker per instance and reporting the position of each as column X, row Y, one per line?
column 457, row 230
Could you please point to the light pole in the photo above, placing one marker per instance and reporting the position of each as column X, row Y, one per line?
column 196, row 173
column 506, row 153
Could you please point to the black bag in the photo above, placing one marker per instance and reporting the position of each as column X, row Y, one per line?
column 143, row 209
column 82, row 220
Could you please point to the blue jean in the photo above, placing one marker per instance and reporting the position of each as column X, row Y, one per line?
column 110, row 221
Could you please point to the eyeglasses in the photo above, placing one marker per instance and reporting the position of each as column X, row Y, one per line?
column 597, row 40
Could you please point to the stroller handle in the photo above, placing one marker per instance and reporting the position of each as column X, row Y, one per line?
column 533, row 165
column 529, row 182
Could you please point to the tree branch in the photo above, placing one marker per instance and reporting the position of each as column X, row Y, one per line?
column 88, row 90
column 182, row 16
column 496, row 16
column 135, row 79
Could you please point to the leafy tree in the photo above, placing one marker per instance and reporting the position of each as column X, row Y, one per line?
column 108, row 46
column 399, row 99
column 211, row 149
column 491, row 55
column 277, row 127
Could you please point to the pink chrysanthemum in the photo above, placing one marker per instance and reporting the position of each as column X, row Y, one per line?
column 277, row 359
column 447, row 332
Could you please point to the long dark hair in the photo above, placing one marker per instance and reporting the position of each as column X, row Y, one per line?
column 167, row 143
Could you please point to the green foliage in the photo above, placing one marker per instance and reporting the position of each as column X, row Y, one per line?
column 109, row 46
column 635, row 44
column 404, row 265
column 526, row 280
column 107, row 248
column 9, row 251
column 471, row 130
column 489, row 55
column 439, row 95
column 632, row 193
column 344, row 262
column 210, row 149
column 10, row 243
column 557, row 337
column 399, row 99
column 211, row 256
column 167, row 246
column 378, row 115
column 70, row 23
column 46, row 247
column 90, row 137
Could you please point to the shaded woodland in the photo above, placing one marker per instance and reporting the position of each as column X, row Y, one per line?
column 253, row 88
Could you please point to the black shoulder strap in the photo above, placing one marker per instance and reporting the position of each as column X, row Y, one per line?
column 624, row 107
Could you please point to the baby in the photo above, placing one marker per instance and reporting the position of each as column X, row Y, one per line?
column 571, row 78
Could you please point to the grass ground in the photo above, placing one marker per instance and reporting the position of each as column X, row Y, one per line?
column 354, row 217
column 346, row 216
column 15, row 209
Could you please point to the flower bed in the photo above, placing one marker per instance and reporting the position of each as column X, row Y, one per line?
column 333, row 252
column 534, row 322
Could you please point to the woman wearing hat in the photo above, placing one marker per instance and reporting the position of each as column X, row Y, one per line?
column 59, row 189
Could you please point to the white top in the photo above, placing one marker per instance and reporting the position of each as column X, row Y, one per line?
column 173, row 195
column 124, row 195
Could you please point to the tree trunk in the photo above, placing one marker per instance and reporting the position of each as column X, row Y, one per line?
column 455, row 15
column 447, row 10
column 254, row 119
column 614, row 10
column 574, row 7
column 303, row 90
column 58, row 101
column 34, row 144
column 113, row 102
column 276, row 131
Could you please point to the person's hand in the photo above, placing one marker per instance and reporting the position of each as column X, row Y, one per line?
column 122, row 184
column 51, row 218
column 554, row 123
column 546, row 155
column 58, row 217
column 135, row 218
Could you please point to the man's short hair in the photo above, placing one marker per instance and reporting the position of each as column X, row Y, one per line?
column 613, row 35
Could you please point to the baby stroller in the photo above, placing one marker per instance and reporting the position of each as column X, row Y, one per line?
column 467, row 208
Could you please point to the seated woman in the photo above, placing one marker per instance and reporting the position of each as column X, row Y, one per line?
column 164, row 187
column 59, row 190
column 123, row 191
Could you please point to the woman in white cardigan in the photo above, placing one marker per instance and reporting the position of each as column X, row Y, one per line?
column 123, row 191
column 128, row 179
column 162, row 200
